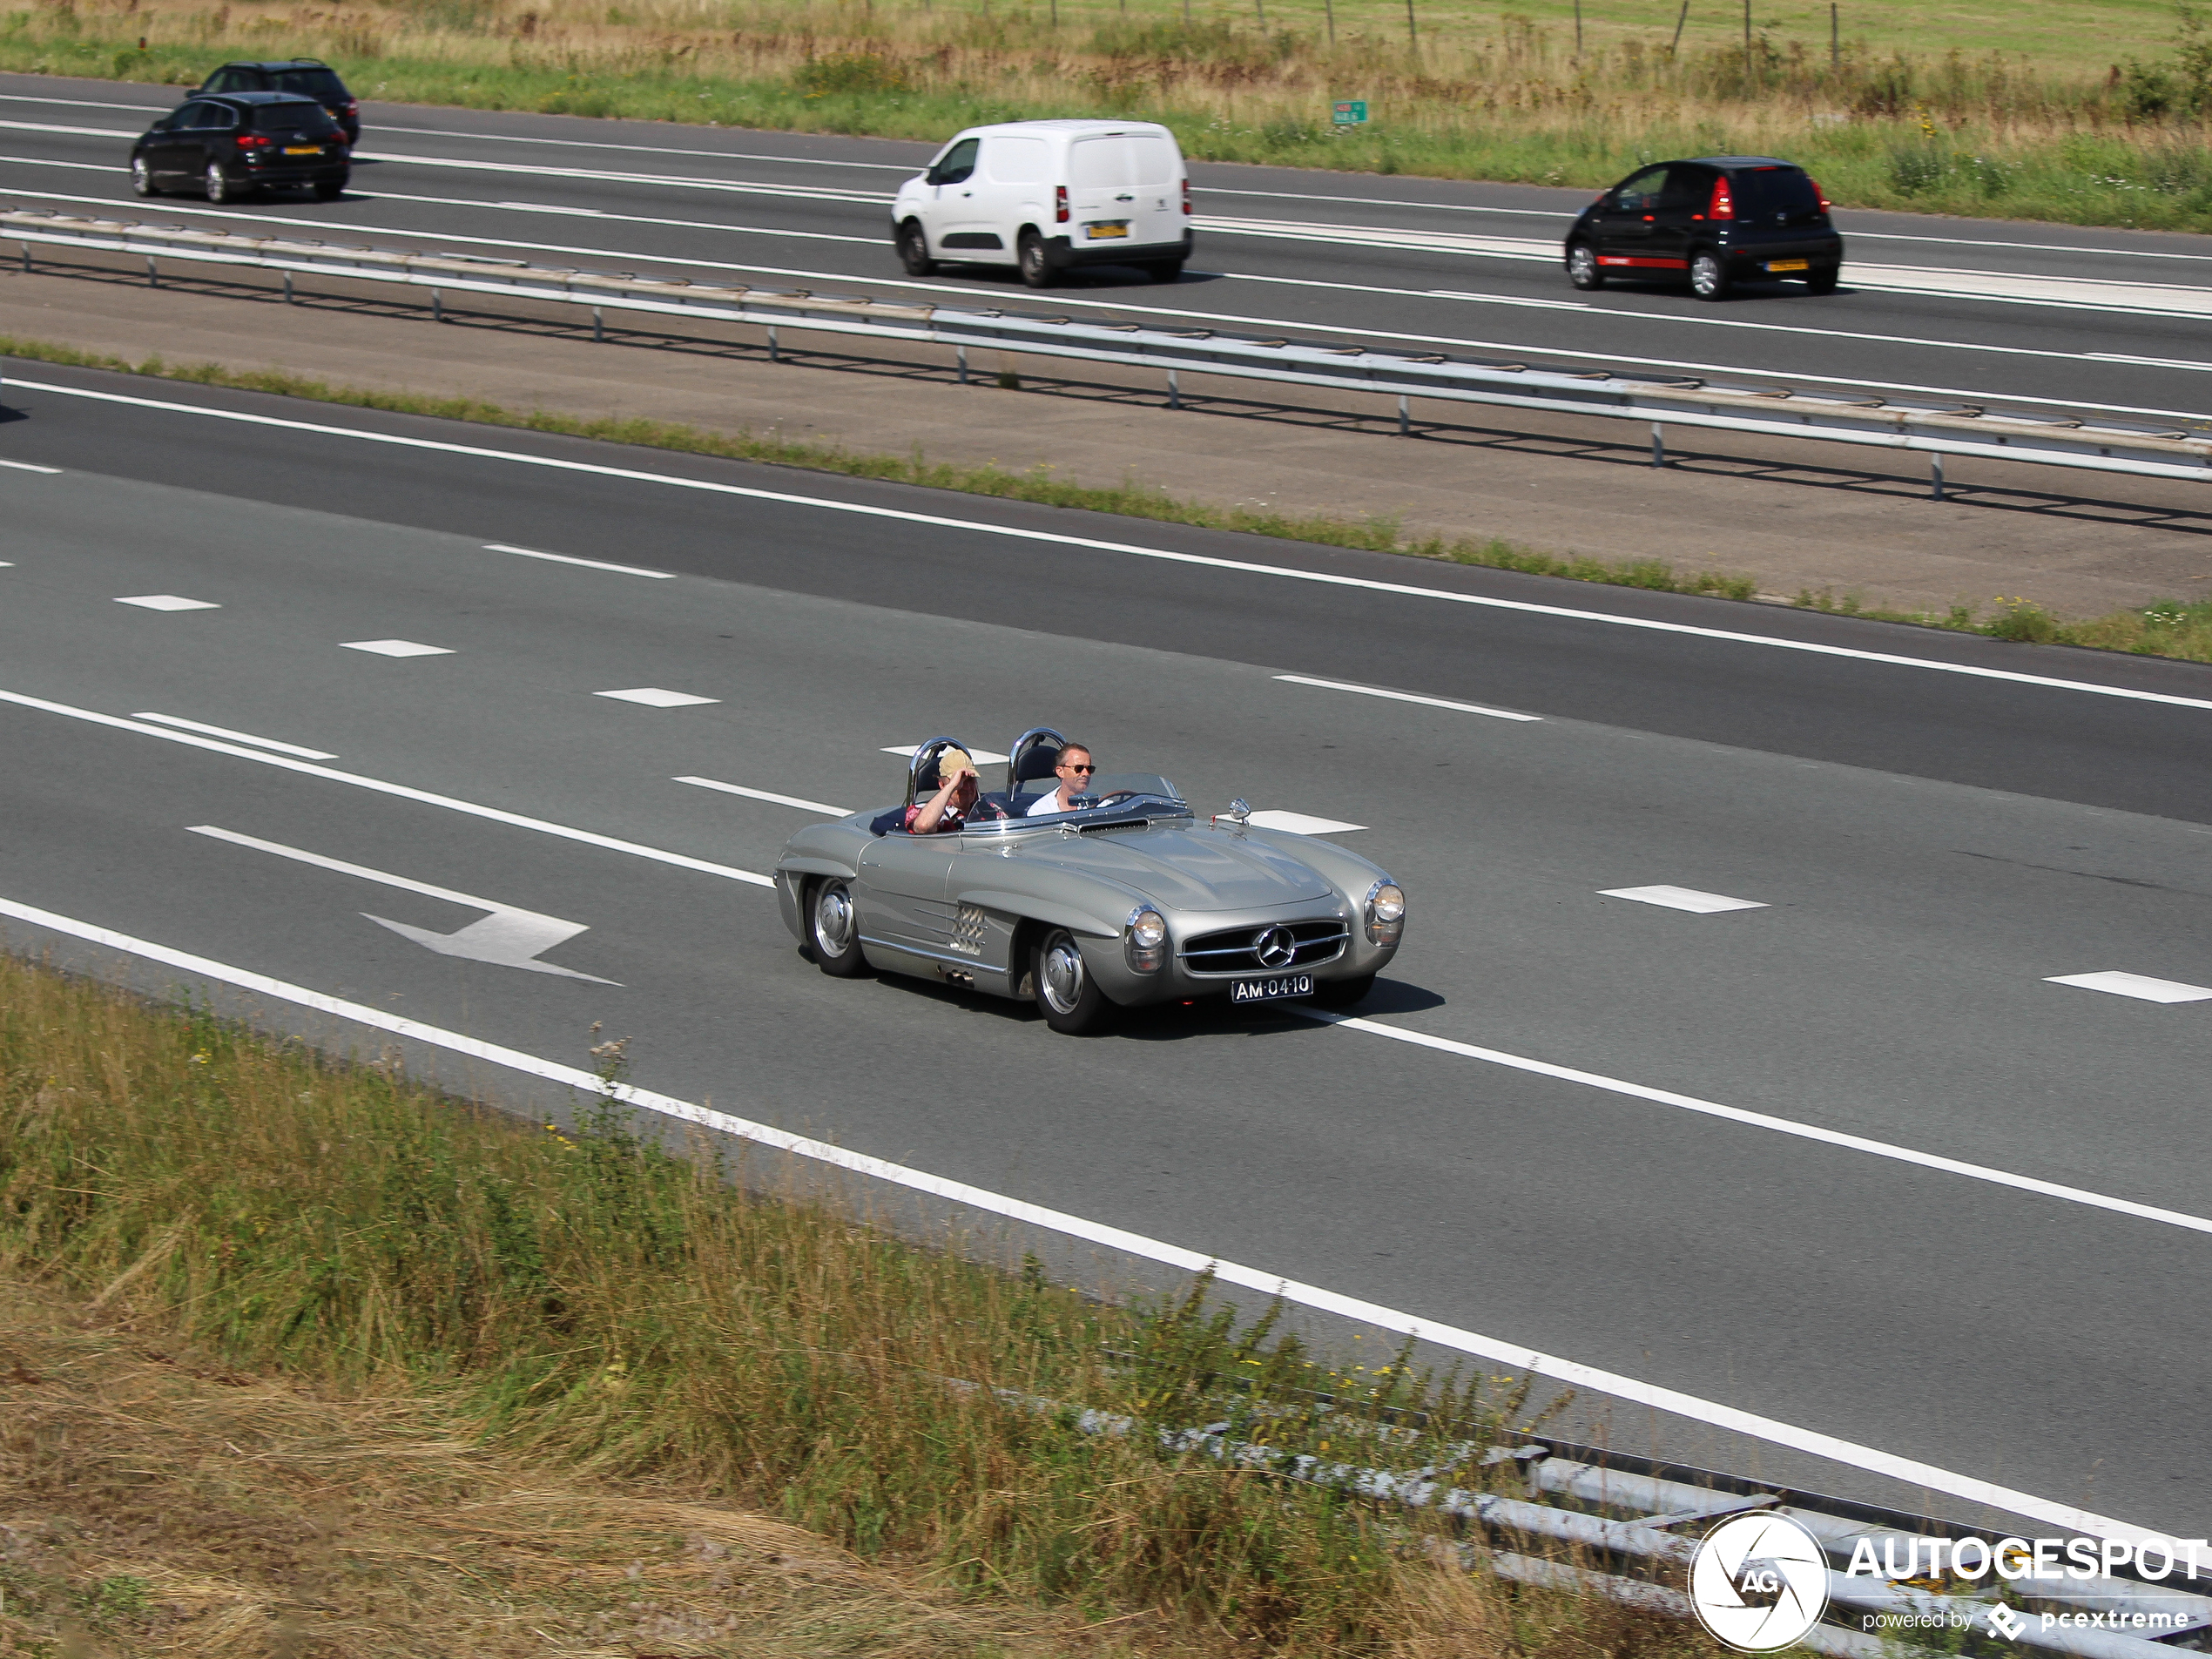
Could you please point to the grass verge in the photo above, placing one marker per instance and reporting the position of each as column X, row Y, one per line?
column 462, row 1308
column 2091, row 114
column 2168, row 628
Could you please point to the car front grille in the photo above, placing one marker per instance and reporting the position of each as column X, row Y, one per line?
column 1237, row 950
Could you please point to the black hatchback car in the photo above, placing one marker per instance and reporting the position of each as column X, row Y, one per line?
column 231, row 147
column 1715, row 221
column 309, row 76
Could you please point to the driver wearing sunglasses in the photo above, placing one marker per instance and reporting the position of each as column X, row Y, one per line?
column 1074, row 770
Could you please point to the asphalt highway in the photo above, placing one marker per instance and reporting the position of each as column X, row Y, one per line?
column 2034, row 313
column 1922, row 850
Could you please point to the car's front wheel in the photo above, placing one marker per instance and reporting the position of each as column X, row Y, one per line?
column 833, row 930
column 1036, row 268
column 221, row 187
column 142, row 178
column 914, row 250
column 1067, row 995
column 1582, row 268
column 1708, row 278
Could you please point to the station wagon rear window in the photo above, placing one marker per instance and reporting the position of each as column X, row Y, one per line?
column 321, row 84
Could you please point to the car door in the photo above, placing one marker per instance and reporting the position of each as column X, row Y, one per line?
column 948, row 212
column 901, row 894
column 1625, row 217
column 1677, row 210
column 182, row 150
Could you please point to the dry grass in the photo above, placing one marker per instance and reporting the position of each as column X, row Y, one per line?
column 2093, row 113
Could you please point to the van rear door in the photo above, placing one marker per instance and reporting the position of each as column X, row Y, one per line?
column 1105, row 206
column 1159, row 188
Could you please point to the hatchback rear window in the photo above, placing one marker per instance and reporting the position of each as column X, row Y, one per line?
column 321, row 84
column 292, row 118
column 1764, row 191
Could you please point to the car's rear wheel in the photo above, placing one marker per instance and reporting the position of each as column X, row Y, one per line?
column 1582, row 268
column 142, row 178
column 1067, row 995
column 329, row 190
column 1708, row 278
column 833, row 930
column 1343, row 993
column 1036, row 269
column 1165, row 271
column 914, row 250
column 221, row 187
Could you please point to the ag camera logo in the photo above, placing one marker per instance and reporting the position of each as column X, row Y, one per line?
column 1759, row 1582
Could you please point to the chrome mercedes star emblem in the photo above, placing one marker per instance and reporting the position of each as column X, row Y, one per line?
column 1274, row 946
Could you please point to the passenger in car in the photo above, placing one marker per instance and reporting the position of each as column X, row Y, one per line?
column 1074, row 769
column 956, row 798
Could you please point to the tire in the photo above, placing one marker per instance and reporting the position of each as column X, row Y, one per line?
column 1036, row 269
column 221, row 187
column 1582, row 268
column 1343, row 993
column 142, row 178
column 1823, row 281
column 1709, row 277
column 1165, row 271
column 833, row 929
column 329, row 190
column 1067, row 995
column 914, row 250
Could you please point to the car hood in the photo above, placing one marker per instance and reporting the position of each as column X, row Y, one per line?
column 1185, row 868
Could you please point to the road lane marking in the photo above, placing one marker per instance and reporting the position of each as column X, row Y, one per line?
column 168, row 601
column 402, row 791
column 981, row 757
column 1054, row 538
column 1699, row 904
column 395, row 648
column 570, row 558
column 1496, row 1350
column 2135, row 985
column 236, row 737
column 654, row 697
column 673, row 181
column 509, row 937
column 1762, row 1120
column 1406, row 696
column 1092, row 302
column 1300, row 823
column 804, row 805
column 25, row 466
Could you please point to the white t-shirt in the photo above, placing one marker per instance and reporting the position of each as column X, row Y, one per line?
column 1048, row 802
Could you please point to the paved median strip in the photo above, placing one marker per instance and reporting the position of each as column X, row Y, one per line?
column 1496, row 1350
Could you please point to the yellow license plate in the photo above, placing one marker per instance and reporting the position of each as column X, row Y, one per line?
column 1788, row 265
column 303, row 149
column 1100, row 233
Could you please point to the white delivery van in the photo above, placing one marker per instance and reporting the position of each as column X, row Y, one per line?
column 1048, row 195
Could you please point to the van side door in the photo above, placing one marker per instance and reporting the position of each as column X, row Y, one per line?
column 1013, row 189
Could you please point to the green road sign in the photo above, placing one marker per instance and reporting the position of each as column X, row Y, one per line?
column 1349, row 112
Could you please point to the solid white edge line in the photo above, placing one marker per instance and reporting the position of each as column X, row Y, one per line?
column 1054, row 538
column 1510, row 1355
column 25, row 466
column 1762, row 1120
column 589, row 564
column 236, row 737
column 765, row 794
column 517, row 821
column 1406, row 696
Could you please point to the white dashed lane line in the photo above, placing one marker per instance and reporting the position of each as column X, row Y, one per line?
column 1409, row 696
column 1301, row 823
column 1698, row 904
column 570, row 558
column 237, row 737
column 395, row 648
column 2140, row 986
column 654, row 697
column 25, row 466
column 981, row 757
column 168, row 601
column 769, row 795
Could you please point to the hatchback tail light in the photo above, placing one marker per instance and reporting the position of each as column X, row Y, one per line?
column 254, row 141
column 1060, row 203
column 1186, row 195
column 1817, row 192
column 1723, row 204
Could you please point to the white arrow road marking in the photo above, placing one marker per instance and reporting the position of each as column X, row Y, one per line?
column 508, row 937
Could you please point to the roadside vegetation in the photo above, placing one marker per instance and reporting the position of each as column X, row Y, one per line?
column 2168, row 628
column 423, row 1360
column 2091, row 114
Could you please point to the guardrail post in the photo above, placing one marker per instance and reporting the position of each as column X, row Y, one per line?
column 1175, row 390
column 1658, row 445
column 1405, row 415
column 437, row 306
column 960, row 352
column 287, row 287
column 598, row 326
column 775, row 351
column 1935, row 477
column 153, row 277
column 26, row 259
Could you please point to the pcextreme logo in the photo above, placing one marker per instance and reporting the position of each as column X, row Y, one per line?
column 1758, row 1582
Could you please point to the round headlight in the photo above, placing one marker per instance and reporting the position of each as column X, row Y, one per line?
column 1388, row 903
column 1147, row 930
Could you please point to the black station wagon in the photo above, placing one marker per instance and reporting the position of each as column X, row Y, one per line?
column 230, row 147
column 309, row 76
column 1712, row 222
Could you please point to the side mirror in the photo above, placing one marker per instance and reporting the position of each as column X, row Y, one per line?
column 1240, row 809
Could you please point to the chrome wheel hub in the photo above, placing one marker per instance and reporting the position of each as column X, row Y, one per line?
column 834, row 921
column 1062, row 975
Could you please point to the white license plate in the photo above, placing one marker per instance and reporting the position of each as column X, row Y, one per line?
column 1112, row 228
column 1788, row 265
column 1270, row 990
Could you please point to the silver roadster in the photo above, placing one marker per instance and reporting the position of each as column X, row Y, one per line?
column 1129, row 898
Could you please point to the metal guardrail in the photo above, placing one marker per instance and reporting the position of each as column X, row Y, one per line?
column 1934, row 427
